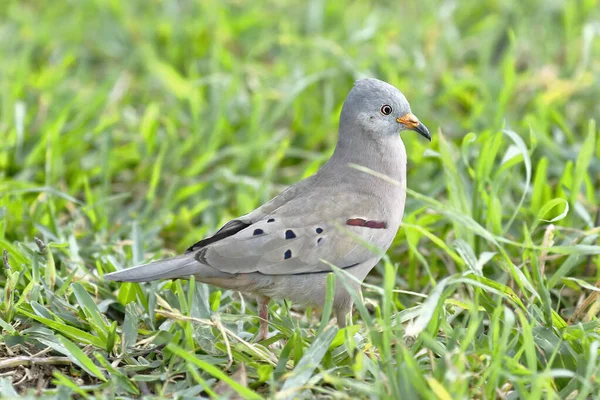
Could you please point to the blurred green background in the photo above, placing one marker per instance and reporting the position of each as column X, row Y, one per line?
column 132, row 129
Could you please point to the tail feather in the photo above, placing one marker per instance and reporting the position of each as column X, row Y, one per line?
column 177, row 267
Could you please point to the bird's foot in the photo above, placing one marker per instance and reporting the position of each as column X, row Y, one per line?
column 263, row 314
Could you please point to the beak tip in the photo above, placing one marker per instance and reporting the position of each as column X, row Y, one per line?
column 423, row 131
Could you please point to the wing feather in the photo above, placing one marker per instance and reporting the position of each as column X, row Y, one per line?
column 280, row 247
column 293, row 235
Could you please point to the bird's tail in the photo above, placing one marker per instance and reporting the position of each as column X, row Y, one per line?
column 177, row 267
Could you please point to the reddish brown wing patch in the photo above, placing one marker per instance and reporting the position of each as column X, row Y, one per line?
column 366, row 224
column 375, row 224
column 356, row 222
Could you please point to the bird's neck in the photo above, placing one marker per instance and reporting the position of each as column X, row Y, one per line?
column 386, row 157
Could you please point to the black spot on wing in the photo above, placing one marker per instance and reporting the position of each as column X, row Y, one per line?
column 289, row 234
column 271, row 220
column 258, row 232
column 319, row 230
column 287, row 254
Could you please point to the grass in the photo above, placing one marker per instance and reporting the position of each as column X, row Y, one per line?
column 132, row 129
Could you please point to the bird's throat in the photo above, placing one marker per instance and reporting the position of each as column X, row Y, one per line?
column 385, row 158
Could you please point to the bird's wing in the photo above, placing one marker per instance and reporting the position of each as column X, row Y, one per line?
column 236, row 225
column 295, row 237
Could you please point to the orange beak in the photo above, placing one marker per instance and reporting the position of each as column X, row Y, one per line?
column 411, row 122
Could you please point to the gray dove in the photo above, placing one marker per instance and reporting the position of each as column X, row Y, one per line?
column 338, row 216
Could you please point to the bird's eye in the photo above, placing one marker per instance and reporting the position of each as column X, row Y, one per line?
column 386, row 109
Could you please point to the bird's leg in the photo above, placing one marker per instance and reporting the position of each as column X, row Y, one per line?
column 263, row 314
column 340, row 315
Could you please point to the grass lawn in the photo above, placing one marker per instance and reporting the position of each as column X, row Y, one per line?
column 131, row 129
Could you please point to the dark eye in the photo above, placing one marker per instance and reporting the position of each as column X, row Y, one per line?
column 386, row 109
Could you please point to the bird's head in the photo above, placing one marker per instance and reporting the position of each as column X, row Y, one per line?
column 379, row 109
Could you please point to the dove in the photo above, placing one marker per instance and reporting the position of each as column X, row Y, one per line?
column 344, row 215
